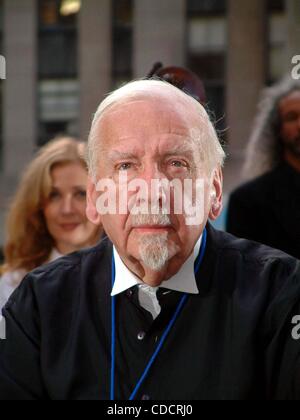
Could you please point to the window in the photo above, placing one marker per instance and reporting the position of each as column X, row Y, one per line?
column 206, row 6
column 276, row 5
column 277, row 26
column 207, row 44
column 122, row 27
column 58, row 89
column 207, row 34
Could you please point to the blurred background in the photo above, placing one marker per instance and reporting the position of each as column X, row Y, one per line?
column 63, row 56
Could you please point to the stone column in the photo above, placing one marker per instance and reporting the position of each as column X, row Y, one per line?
column 20, row 87
column 159, row 35
column 246, row 73
column 95, row 45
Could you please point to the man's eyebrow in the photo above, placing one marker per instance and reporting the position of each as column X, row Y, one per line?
column 177, row 150
column 291, row 112
column 115, row 155
column 182, row 149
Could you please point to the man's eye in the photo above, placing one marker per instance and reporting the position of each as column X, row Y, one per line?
column 291, row 117
column 178, row 164
column 125, row 166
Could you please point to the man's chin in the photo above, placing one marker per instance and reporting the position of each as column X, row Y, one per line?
column 155, row 268
column 153, row 283
column 154, row 278
column 154, row 264
column 294, row 150
column 296, row 147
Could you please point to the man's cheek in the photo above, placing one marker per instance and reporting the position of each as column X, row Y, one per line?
column 285, row 135
column 117, row 224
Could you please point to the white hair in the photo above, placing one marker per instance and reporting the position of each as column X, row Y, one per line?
column 265, row 151
column 211, row 151
column 154, row 251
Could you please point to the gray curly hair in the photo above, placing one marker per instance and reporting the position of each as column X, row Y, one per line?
column 264, row 151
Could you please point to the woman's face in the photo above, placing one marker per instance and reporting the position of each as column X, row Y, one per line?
column 65, row 209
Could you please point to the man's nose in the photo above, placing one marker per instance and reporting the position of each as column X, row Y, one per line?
column 152, row 172
column 152, row 175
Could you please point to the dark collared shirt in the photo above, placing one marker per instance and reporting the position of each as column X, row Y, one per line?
column 267, row 210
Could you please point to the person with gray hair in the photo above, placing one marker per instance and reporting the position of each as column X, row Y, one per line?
column 166, row 307
column 267, row 208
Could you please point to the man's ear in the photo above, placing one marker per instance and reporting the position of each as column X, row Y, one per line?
column 91, row 209
column 216, row 197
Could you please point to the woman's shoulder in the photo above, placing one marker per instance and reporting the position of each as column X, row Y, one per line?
column 12, row 278
column 9, row 281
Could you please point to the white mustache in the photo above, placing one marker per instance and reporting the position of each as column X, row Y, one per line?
column 151, row 220
column 154, row 215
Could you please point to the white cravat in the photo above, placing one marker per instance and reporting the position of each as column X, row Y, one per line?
column 184, row 281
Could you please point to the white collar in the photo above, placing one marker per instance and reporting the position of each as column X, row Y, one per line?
column 54, row 255
column 184, row 281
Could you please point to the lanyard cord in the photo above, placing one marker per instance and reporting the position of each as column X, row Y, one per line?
column 163, row 338
column 113, row 336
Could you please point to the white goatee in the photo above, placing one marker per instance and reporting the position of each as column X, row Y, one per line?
column 154, row 251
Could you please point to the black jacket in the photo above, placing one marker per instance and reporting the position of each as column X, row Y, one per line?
column 267, row 210
column 237, row 339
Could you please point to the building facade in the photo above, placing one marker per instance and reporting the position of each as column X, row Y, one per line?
column 63, row 56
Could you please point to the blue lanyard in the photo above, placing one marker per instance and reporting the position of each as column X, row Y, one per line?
column 163, row 338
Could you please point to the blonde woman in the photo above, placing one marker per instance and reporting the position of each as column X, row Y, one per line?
column 47, row 216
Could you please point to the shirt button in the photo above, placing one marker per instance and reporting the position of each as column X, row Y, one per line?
column 146, row 398
column 129, row 293
column 141, row 336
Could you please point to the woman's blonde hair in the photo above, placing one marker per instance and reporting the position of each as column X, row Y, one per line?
column 29, row 243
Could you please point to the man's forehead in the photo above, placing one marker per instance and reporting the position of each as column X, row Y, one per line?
column 141, row 118
column 291, row 100
column 174, row 146
column 162, row 106
column 140, row 115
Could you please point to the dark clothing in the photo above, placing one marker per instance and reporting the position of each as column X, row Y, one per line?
column 233, row 341
column 267, row 210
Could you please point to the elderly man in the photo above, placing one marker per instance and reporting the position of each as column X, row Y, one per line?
column 167, row 307
column 267, row 209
